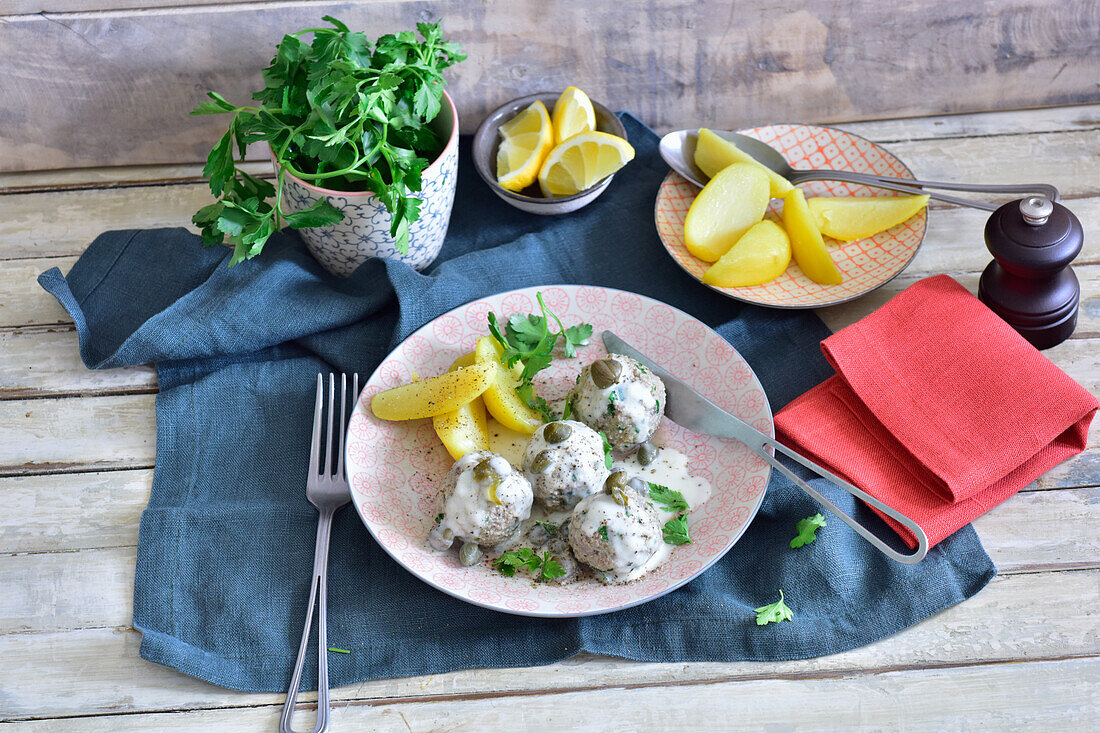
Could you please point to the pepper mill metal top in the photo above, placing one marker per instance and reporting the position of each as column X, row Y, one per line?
column 1030, row 284
column 1036, row 210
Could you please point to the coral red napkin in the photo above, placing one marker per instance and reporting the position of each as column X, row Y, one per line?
column 938, row 408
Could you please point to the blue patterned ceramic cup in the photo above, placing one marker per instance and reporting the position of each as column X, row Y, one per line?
column 365, row 230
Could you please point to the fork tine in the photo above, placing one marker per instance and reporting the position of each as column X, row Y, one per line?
column 331, row 412
column 315, row 445
column 343, row 417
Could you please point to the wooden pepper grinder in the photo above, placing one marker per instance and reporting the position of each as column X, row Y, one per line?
column 1030, row 283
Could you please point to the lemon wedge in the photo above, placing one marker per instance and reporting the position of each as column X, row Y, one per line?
column 526, row 139
column 573, row 114
column 582, row 161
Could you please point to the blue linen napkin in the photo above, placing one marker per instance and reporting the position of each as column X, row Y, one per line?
column 226, row 543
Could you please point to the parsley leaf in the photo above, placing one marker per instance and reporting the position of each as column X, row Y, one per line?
column 527, row 559
column 774, row 612
column 671, row 501
column 676, row 531
column 338, row 112
column 551, row 568
column 522, row 559
column 606, row 450
column 602, row 532
column 807, row 529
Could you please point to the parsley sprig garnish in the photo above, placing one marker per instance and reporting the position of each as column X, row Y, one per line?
column 807, row 529
column 527, row 559
column 607, row 459
column 531, row 340
column 670, row 501
column 338, row 112
column 773, row 612
column 676, row 531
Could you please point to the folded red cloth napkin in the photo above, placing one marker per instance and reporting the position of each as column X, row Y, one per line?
column 938, row 408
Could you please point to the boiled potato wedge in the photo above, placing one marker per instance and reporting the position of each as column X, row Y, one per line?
column 465, row 429
column 713, row 153
column 500, row 398
column 433, row 396
column 859, row 217
column 733, row 201
column 760, row 256
column 807, row 247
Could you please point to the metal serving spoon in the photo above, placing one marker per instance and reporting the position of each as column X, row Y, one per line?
column 678, row 150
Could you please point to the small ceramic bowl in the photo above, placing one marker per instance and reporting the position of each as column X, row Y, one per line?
column 487, row 140
column 365, row 230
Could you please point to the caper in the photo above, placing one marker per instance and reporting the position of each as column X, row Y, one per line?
column 469, row 554
column 638, row 485
column 556, row 432
column 647, row 453
column 448, row 534
column 484, row 471
column 542, row 462
column 605, row 372
column 617, row 480
column 619, row 495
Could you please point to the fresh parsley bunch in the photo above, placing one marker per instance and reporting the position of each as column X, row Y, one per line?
column 338, row 112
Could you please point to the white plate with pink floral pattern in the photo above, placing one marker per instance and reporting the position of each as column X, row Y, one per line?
column 396, row 468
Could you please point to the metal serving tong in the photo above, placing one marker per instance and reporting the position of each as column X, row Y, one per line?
column 688, row 408
column 678, row 150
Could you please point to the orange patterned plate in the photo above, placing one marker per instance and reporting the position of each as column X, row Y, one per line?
column 866, row 264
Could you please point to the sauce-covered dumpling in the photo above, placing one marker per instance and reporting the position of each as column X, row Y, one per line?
column 485, row 501
column 564, row 463
column 621, row 398
column 616, row 533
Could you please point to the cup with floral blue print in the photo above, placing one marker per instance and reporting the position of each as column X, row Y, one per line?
column 365, row 229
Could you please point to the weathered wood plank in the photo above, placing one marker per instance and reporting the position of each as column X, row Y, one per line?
column 23, row 302
column 1088, row 316
column 63, row 512
column 85, row 433
column 53, row 588
column 63, row 223
column 118, row 431
column 42, row 674
column 712, row 63
column 996, row 697
column 45, row 361
column 1014, row 122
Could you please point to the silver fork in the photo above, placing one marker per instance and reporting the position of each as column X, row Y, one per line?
column 328, row 491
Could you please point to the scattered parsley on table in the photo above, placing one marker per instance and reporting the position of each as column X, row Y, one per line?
column 807, row 529
column 774, row 612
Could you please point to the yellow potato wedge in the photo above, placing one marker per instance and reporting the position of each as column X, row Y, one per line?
column 760, row 256
column 433, row 396
column 465, row 429
column 500, row 398
column 857, row 217
column 713, row 153
column 807, row 247
column 733, row 201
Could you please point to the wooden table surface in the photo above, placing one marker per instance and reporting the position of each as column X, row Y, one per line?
column 76, row 462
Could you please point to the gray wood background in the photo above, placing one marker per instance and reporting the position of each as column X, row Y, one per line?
column 110, row 82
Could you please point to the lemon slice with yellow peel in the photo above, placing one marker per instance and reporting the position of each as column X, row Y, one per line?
column 573, row 114
column 526, row 139
column 582, row 161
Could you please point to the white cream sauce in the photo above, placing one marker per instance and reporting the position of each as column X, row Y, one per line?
column 669, row 469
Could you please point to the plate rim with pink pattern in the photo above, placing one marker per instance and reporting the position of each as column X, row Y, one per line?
column 793, row 289
column 408, row 458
